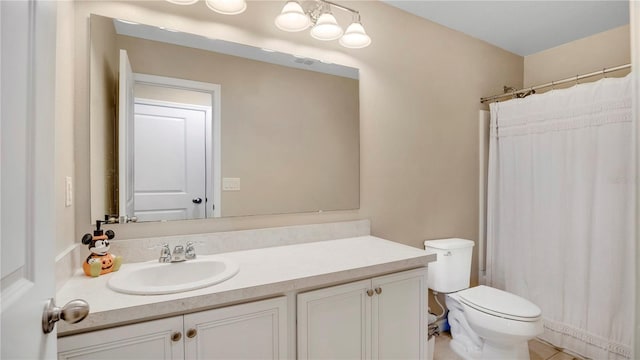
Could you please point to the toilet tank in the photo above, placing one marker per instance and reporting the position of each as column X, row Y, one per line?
column 452, row 270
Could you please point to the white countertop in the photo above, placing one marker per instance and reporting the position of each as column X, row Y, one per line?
column 264, row 272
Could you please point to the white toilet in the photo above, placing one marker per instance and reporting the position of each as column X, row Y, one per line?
column 486, row 323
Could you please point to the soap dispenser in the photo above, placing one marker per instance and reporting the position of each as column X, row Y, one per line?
column 100, row 261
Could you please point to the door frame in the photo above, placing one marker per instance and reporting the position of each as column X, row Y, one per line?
column 213, row 148
column 634, row 17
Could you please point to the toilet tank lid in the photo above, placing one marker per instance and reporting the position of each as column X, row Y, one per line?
column 448, row 244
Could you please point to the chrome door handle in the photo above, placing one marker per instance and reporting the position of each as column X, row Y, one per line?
column 197, row 200
column 74, row 311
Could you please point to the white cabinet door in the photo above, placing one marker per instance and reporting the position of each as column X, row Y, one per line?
column 334, row 323
column 399, row 315
column 156, row 339
column 382, row 318
column 256, row 330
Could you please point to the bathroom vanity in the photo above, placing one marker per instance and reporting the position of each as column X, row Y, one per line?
column 358, row 297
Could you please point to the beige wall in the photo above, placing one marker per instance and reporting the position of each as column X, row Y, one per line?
column 420, row 85
column 593, row 53
column 64, row 121
column 289, row 135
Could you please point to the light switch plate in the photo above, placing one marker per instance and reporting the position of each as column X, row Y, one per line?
column 68, row 193
column 231, row 184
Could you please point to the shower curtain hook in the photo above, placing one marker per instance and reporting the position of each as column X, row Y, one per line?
column 577, row 80
column 553, row 85
column 604, row 73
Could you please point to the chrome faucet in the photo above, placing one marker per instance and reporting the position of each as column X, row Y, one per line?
column 180, row 253
column 165, row 254
column 190, row 251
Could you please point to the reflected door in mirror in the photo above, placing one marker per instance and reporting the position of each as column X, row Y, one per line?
column 169, row 161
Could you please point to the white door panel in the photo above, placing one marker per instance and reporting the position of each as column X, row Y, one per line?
column 161, row 150
column 14, row 136
column 27, row 81
column 170, row 161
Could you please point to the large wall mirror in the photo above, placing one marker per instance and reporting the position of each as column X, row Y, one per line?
column 186, row 127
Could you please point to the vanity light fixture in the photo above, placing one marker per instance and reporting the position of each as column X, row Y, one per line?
column 183, row 2
column 225, row 7
column 292, row 18
column 355, row 37
column 324, row 25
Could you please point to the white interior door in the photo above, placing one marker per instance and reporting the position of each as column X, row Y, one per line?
column 27, row 80
column 126, row 161
column 169, row 161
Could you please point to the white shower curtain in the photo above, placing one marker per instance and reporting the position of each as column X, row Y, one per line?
column 560, row 212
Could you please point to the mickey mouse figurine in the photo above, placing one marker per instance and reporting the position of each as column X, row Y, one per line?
column 100, row 261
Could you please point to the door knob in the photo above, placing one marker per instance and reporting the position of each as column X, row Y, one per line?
column 197, row 200
column 370, row 292
column 74, row 311
column 378, row 290
column 191, row 333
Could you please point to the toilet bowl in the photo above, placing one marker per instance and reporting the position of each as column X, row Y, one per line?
column 502, row 322
column 486, row 323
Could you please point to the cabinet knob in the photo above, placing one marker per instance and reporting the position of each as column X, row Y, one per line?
column 370, row 292
column 378, row 290
column 176, row 336
column 191, row 333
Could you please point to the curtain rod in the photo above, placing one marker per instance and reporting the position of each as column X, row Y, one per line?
column 553, row 83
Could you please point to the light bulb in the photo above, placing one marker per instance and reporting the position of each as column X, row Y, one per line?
column 355, row 37
column 292, row 18
column 227, row 7
column 326, row 28
column 183, row 2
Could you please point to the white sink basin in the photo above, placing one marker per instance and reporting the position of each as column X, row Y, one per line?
column 153, row 278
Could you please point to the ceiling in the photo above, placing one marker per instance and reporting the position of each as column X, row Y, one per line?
column 522, row 27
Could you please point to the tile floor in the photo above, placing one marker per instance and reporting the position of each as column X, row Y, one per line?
column 537, row 350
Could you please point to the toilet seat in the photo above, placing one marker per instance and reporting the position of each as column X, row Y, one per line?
column 499, row 303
